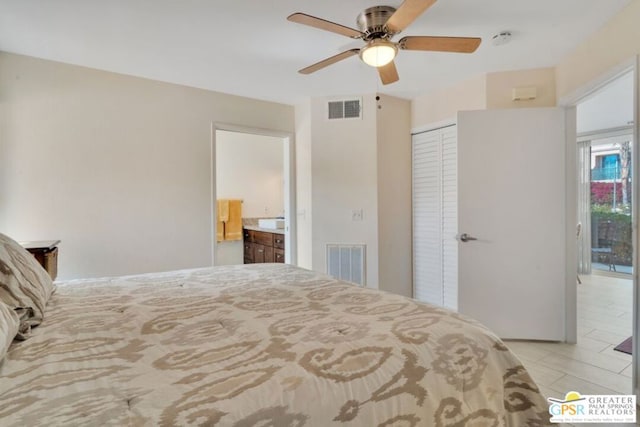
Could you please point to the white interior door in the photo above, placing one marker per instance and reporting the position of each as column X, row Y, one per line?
column 512, row 199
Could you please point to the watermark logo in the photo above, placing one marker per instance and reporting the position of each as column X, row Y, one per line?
column 578, row 408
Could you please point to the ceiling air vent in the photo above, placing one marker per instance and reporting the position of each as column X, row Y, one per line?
column 344, row 109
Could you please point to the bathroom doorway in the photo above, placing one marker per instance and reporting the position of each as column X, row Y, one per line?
column 253, row 178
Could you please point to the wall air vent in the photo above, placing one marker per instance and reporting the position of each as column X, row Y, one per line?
column 344, row 109
column 347, row 262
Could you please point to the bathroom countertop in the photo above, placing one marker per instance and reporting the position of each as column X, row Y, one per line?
column 265, row 230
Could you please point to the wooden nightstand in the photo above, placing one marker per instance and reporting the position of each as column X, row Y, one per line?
column 46, row 252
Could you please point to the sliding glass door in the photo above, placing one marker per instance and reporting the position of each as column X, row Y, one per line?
column 605, row 230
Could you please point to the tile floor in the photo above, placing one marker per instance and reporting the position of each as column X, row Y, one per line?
column 591, row 366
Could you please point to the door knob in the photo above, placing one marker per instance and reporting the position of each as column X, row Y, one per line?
column 464, row 237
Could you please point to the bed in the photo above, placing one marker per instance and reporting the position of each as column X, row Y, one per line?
column 258, row 345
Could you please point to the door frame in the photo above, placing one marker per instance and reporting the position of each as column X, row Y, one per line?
column 288, row 139
column 571, row 100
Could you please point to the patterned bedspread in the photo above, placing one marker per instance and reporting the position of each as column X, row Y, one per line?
column 258, row 345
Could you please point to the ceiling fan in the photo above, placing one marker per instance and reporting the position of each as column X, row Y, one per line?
column 378, row 25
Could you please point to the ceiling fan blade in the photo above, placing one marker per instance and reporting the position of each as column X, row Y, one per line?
column 331, row 60
column 388, row 73
column 312, row 21
column 440, row 44
column 408, row 11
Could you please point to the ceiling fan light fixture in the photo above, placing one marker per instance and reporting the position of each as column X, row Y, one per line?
column 377, row 27
column 378, row 52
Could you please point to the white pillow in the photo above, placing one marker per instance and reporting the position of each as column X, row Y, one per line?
column 9, row 324
column 23, row 284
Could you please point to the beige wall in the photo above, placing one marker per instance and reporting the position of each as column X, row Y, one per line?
column 445, row 104
column 361, row 164
column 343, row 170
column 487, row 91
column 117, row 167
column 614, row 44
column 394, row 195
column 500, row 85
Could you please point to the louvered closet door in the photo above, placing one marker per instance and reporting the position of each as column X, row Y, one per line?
column 435, row 217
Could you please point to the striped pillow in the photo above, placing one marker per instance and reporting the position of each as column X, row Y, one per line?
column 9, row 323
column 23, row 283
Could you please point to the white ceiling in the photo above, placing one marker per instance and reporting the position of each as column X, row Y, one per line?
column 248, row 47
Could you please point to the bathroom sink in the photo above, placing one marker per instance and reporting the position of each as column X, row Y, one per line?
column 271, row 223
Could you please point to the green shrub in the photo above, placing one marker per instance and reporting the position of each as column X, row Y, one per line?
column 621, row 242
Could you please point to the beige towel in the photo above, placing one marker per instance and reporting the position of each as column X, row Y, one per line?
column 222, row 211
column 219, row 231
column 233, row 227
